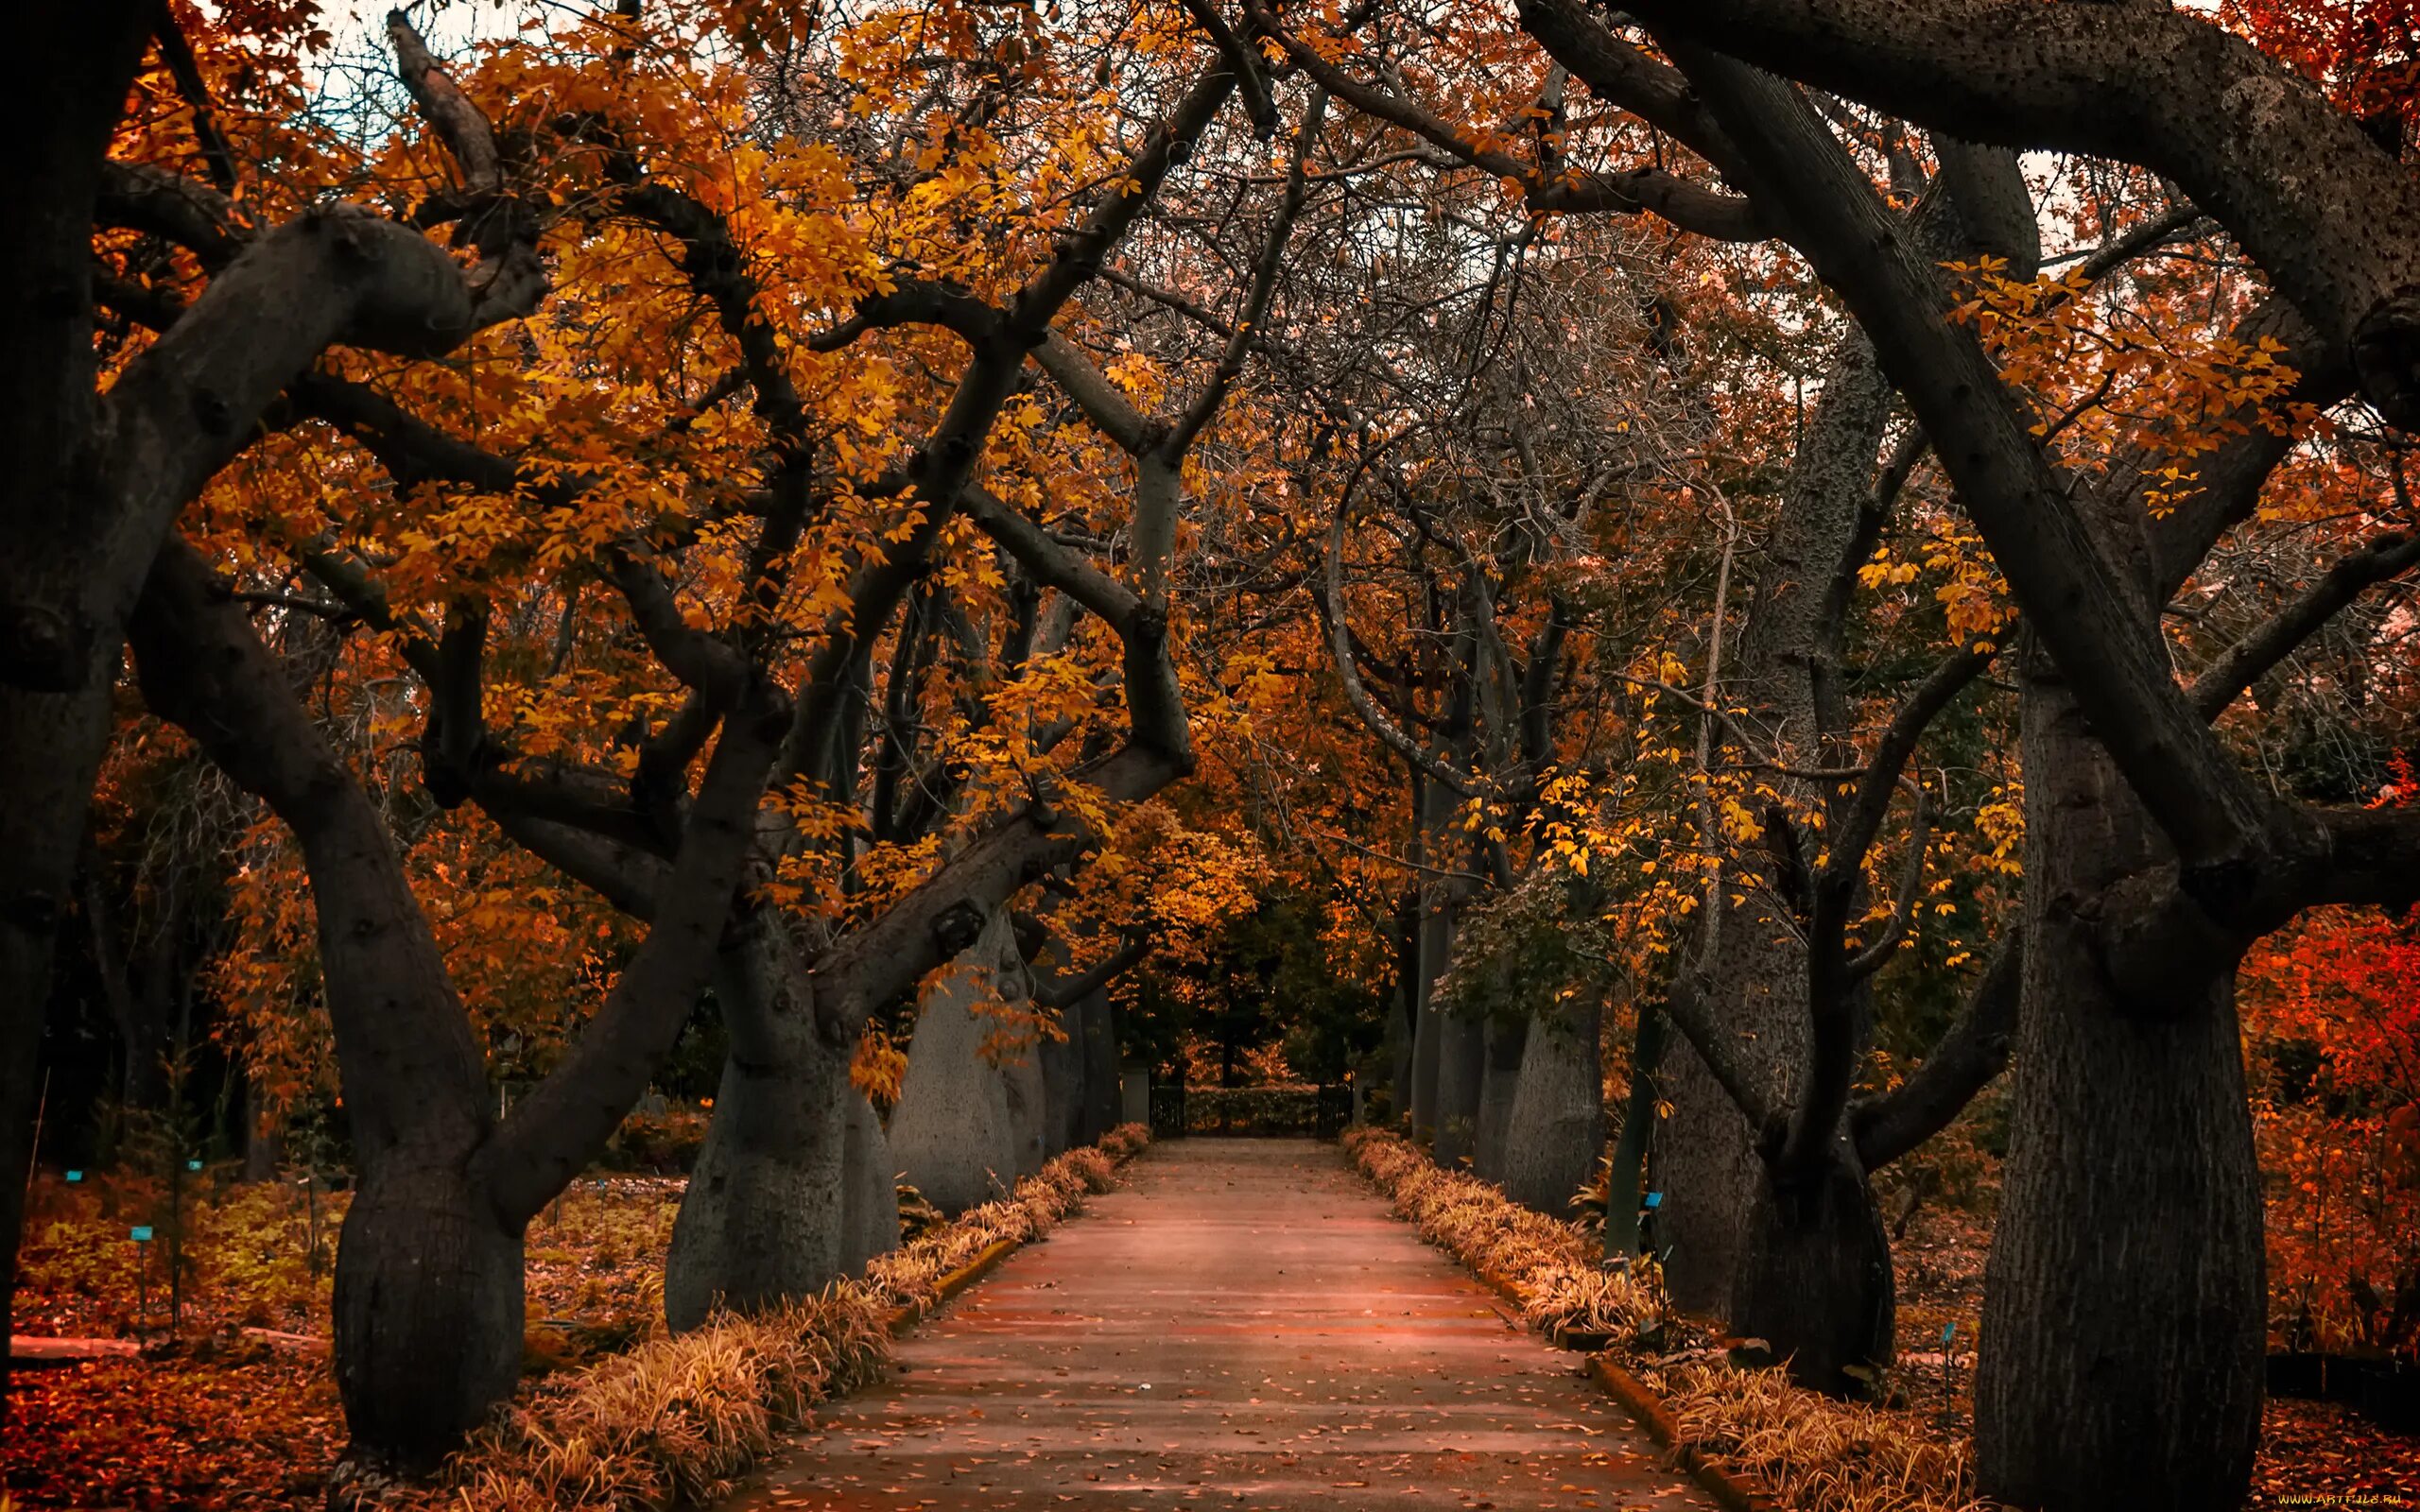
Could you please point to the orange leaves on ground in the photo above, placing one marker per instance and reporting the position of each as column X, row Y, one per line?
column 255, row 1429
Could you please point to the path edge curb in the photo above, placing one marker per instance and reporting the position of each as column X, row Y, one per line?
column 952, row 1285
column 1640, row 1401
column 1735, row 1492
column 958, row 1282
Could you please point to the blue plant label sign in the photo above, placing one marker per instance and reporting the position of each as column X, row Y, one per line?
column 193, row 1165
column 74, row 1176
column 1948, row 1332
column 140, row 1233
column 1654, row 1200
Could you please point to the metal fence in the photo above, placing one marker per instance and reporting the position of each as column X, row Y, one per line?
column 1321, row 1111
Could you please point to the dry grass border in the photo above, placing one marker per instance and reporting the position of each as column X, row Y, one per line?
column 677, row 1421
column 1813, row 1452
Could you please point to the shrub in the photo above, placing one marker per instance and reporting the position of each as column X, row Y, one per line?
column 1280, row 1109
column 666, row 1142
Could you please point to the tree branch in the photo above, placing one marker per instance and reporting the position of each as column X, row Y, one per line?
column 2252, row 143
column 2250, row 660
column 1970, row 1053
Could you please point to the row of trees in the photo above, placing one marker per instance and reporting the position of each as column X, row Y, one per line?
column 882, row 520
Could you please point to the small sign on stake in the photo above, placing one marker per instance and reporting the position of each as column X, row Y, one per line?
column 141, row 1234
column 193, row 1165
column 1948, row 1373
column 75, row 1177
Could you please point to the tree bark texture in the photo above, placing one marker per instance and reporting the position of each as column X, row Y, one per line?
column 1626, row 1165
column 1704, row 1161
column 1554, row 1125
column 1062, row 1082
column 1100, row 1108
column 2125, row 1298
column 1499, row 1081
column 872, row 1195
column 766, row 1215
column 954, row 1134
column 54, row 684
column 1462, row 1066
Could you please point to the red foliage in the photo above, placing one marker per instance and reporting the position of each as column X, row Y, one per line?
column 2331, row 1023
column 2364, row 53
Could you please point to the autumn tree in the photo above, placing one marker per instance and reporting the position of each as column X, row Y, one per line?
column 2124, row 1302
column 1750, row 1217
column 106, row 448
column 795, row 567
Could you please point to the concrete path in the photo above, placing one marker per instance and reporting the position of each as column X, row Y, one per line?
column 1242, row 1326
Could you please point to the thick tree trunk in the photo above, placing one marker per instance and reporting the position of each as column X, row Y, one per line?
column 952, row 1133
column 1626, row 1163
column 55, row 673
column 764, row 1217
column 1436, row 946
column 1555, row 1125
column 2124, row 1303
column 1705, row 1165
column 1703, row 1154
column 1461, row 1065
column 50, row 750
column 873, row 1196
column 1101, row 1060
column 428, row 1307
column 1062, row 1083
column 1507, row 1037
column 1028, row 1092
column 1813, row 1277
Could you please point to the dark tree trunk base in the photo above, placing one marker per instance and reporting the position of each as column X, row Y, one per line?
column 428, row 1312
column 1814, row 1278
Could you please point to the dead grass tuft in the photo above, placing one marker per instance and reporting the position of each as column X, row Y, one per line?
column 677, row 1418
column 1550, row 1264
column 1819, row 1453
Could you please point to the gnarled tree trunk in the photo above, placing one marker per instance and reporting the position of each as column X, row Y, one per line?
column 429, row 1311
column 2125, row 1300
column 1813, row 1272
column 766, row 1215
column 954, row 1133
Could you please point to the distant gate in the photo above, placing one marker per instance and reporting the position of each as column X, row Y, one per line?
column 1334, row 1109
column 1168, row 1112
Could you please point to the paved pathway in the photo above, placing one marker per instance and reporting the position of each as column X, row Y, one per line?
column 1242, row 1326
